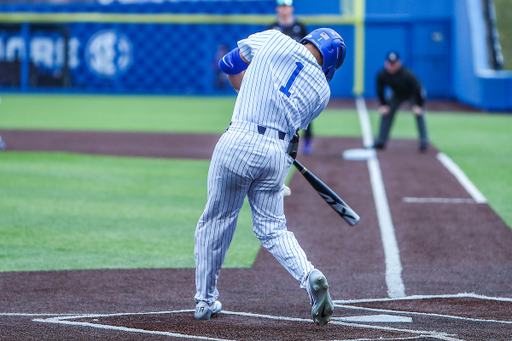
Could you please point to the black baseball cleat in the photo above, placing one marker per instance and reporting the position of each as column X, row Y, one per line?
column 318, row 290
column 378, row 145
column 423, row 148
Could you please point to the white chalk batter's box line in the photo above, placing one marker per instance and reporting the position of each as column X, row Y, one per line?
column 347, row 305
column 439, row 200
column 66, row 319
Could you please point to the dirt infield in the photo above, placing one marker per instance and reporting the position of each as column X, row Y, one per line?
column 456, row 259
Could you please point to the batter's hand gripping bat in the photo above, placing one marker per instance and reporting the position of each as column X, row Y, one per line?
column 328, row 195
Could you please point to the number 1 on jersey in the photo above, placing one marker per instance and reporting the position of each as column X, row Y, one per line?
column 286, row 89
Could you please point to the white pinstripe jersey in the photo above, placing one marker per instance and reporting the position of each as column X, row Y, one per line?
column 284, row 87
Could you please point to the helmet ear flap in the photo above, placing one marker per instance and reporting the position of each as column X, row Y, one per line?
column 330, row 73
column 343, row 52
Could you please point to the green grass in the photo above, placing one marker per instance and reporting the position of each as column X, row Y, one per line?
column 332, row 123
column 141, row 113
column 65, row 211
column 116, row 113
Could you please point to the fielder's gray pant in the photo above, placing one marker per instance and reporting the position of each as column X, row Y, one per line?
column 387, row 121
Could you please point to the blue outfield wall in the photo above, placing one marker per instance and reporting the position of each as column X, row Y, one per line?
column 442, row 41
column 120, row 57
column 474, row 82
column 420, row 31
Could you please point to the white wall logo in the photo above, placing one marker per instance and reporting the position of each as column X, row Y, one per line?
column 109, row 53
column 47, row 52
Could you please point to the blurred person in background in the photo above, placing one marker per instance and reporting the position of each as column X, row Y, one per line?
column 404, row 86
column 292, row 27
column 286, row 21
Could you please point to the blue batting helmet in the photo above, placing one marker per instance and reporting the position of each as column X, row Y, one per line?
column 331, row 46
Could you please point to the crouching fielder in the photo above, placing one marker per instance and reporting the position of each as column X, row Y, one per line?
column 283, row 86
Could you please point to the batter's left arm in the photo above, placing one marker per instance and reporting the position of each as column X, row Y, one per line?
column 234, row 65
column 236, row 80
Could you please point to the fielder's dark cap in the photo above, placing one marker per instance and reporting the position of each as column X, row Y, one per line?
column 392, row 57
column 284, row 2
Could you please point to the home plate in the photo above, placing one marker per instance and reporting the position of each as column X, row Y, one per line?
column 375, row 319
column 358, row 154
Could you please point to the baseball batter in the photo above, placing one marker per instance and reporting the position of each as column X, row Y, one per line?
column 283, row 86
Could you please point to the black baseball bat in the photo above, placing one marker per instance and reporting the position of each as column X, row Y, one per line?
column 329, row 196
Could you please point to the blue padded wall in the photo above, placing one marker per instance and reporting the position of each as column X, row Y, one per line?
column 434, row 37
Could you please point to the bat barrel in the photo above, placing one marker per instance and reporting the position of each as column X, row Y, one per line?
column 331, row 198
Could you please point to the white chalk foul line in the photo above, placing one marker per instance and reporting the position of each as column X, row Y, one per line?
column 439, row 200
column 462, row 178
column 396, row 287
column 364, row 120
column 394, row 280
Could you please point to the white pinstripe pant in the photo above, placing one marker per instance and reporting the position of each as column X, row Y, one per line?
column 245, row 163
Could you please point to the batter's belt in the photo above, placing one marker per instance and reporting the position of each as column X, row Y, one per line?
column 270, row 132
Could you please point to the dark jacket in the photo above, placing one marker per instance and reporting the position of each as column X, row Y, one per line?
column 404, row 84
column 296, row 31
